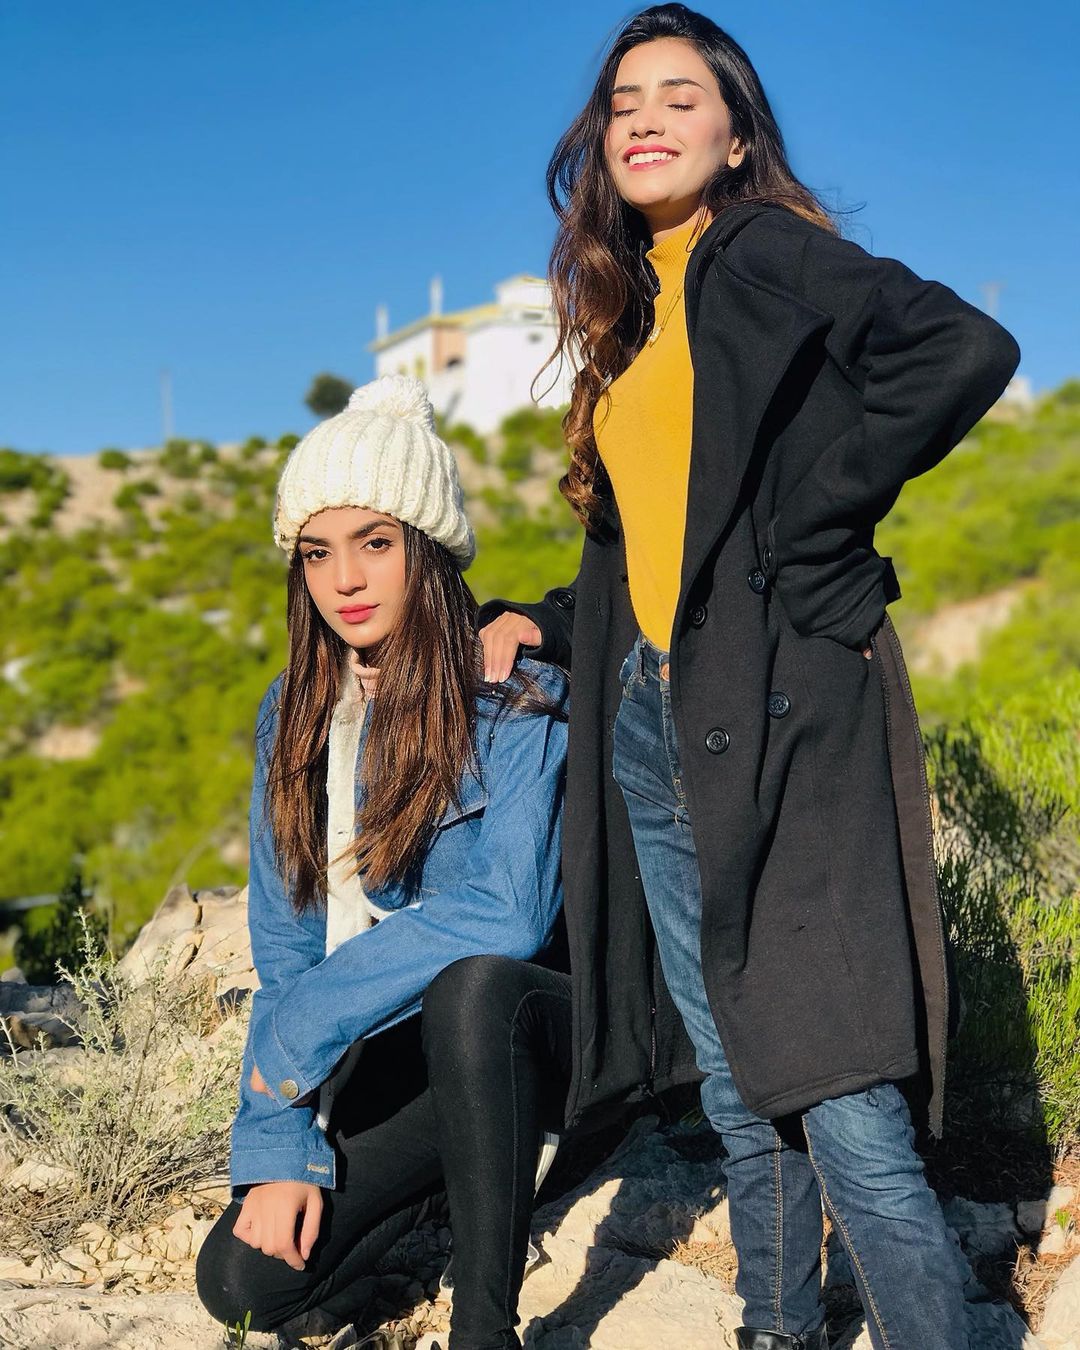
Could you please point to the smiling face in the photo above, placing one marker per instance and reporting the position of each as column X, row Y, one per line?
column 670, row 131
column 354, row 567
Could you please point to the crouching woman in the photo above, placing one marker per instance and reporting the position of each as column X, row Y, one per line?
column 405, row 842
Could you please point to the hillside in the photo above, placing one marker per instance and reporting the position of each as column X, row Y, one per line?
column 144, row 618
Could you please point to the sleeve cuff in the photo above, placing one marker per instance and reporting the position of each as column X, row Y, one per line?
column 285, row 1080
column 315, row 1162
column 549, row 648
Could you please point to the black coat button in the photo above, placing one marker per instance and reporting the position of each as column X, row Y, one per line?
column 779, row 704
column 564, row 599
column 757, row 580
column 698, row 615
column 717, row 741
column 767, row 557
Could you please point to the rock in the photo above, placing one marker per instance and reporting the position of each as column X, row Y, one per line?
column 96, row 1239
column 180, row 1218
column 25, row 1272
column 79, row 1259
column 40, row 1031
column 13, row 975
column 58, row 999
column 38, row 1177
column 169, row 931
column 201, row 935
column 984, row 1230
column 200, row 1231
column 1032, row 1216
column 178, row 1245
column 1054, row 1241
column 82, row 1317
column 214, row 1192
column 1060, row 1326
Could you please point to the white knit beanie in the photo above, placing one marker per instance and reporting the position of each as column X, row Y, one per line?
column 383, row 453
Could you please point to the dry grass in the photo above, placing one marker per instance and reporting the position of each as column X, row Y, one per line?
column 143, row 1113
column 717, row 1259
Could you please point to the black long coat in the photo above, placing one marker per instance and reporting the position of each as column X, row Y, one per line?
column 823, row 379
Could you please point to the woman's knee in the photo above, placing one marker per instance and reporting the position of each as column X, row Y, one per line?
column 473, row 993
column 226, row 1281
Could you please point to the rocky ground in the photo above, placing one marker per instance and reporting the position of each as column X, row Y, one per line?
column 635, row 1251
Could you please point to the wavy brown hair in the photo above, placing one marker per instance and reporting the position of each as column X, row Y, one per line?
column 421, row 737
column 602, row 283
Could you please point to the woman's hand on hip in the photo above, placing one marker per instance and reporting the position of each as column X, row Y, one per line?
column 269, row 1217
column 501, row 639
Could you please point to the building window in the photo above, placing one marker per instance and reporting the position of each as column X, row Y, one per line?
column 420, row 368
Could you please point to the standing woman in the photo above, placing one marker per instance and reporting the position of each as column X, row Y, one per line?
column 405, row 833
column 748, row 869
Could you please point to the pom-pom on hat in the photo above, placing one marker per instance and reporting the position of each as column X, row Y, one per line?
column 381, row 452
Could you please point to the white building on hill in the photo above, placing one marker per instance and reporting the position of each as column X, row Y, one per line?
column 479, row 363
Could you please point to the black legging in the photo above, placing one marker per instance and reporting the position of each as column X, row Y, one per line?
column 458, row 1103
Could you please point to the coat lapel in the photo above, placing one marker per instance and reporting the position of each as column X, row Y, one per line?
column 751, row 334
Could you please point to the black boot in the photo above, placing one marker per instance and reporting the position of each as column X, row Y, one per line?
column 750, row 1338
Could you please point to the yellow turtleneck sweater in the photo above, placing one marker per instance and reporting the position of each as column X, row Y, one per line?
column 642, row 425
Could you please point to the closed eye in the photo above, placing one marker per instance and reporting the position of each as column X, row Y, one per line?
column 680, row 107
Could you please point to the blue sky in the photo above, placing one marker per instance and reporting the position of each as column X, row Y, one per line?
column 228, row 190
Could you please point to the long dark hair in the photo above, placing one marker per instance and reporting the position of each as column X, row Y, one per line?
column 602, row 288
column 421, row 734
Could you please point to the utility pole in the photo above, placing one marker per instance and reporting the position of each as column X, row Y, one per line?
column 992, row 293
column 166, row 407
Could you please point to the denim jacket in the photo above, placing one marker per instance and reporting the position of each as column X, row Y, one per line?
column 489, row 883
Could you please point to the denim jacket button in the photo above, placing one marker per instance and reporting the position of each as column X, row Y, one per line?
column 288, row 1089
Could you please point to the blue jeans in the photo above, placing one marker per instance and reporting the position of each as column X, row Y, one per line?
column 854, row 1152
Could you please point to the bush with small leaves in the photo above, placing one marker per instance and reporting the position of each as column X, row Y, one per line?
column 129, row 497
column 111, row 458
column 60, row 937
column 469, row 439
column 252, row 446
column 146, row 1118
column 327, row 394
column 178, row 460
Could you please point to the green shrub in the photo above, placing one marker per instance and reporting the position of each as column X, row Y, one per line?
column 516, row 459
column 61, row 935
column 252, row 446
column 112, row 458
column 178, row 459
column 288, row 440
column 993, row 512
column 469, row 439
column 327, row 394
column 1009, row 854
column 129, row 497
column 19, row 471
column 540, row 426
